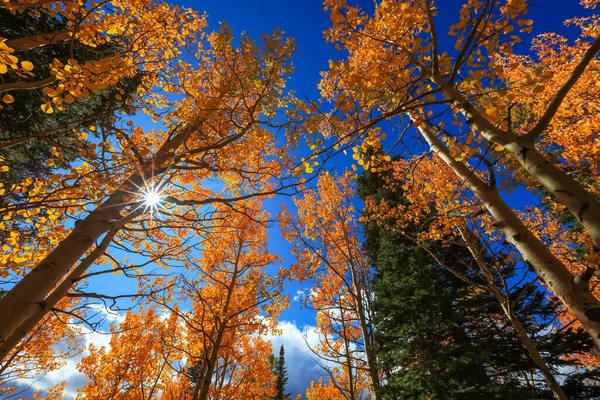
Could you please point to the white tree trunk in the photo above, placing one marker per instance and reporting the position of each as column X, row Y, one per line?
column 27, row 297
column 583, row 205
column 573, row 293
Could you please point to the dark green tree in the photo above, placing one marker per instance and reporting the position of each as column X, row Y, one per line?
column 27, row 134
column 439, row 338
column 278, row 368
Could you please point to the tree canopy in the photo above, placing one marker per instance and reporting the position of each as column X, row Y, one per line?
column 434, row 210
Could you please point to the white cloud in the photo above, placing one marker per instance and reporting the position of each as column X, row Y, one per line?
column 303, row 295
column 299, row 296
column 299, row 359
column 69, row 372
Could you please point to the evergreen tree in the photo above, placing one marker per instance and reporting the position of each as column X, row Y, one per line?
column 278, row 368
column 437, row 338
column 23, row 119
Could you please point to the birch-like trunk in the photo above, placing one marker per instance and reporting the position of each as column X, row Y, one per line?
column 364, row 324
column 526, row 341
column 573, row 293
column 368, row 341
column 61, row 291
column 27, row 297
column 582, row 204
column 201, row 391
column 348, row 355
column 35, row 41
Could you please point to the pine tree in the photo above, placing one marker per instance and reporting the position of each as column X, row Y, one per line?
column 438, row 338
column 280, row 371
column 277, row 367
column 23, row 121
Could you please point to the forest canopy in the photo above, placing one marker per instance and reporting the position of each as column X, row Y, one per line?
column 416, row 187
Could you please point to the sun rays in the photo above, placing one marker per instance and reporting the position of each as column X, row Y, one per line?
column 152, row 197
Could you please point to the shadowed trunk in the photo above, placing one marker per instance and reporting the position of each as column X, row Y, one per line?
column 573, row 292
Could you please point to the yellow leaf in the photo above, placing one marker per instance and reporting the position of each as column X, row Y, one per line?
column 547, row 74
column 7, row 98
column 499, row 148
column 92, row 128
column 27, row 65
column 50, row 92
column 491, row 110
column 47, row 108
column 50, row 162
column 3, row 68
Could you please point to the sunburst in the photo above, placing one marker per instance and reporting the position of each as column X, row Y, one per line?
column 152, row 197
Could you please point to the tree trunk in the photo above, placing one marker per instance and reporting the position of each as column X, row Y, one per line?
column 526, row 341
column 574, row 293
column 27, row 85
column 367, row 336
column 27, row 297
column 50, row 301
column 348, row 354
column 32, row 42
column 368, row 343
column 201, row 391
column 583, row 205
column 358, row 286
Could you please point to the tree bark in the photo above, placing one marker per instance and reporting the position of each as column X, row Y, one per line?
column 201, row 391
column 368, row 340
column 364, row 325
column 582, row 204
column 32, row 42
column 51, row 301
column 573, row 293
column 27, row 85
column 26, row 298
column 526, row 341
column 39, row 3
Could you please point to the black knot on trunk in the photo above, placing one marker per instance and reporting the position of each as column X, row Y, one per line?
column 593, row 314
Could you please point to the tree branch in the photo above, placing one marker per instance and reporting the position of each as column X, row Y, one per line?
column 560, row 95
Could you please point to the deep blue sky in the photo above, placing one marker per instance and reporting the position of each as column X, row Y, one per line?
column 305, row 21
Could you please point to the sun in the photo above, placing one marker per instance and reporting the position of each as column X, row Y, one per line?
column 152, row 197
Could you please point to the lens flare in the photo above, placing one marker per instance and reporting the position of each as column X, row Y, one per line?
column 152, row 197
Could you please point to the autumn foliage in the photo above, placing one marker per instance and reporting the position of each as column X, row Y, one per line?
column 159, row 144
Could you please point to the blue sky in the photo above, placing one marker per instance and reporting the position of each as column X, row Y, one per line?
column 305, row 21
